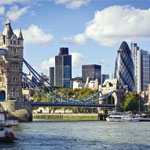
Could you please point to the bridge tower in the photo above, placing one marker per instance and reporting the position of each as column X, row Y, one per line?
column 11, row 61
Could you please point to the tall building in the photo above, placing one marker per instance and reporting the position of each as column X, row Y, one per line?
column 63, row 68
column 141, row 59
column 124, row 67
column 92, row 72
column 51, row 75
column 104, row 77
column 11, row 61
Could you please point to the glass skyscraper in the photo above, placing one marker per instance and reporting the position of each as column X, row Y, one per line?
column 63, row 68
column 124, row 67
column 141, row 59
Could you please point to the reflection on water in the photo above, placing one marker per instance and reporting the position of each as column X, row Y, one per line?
column 86, row 135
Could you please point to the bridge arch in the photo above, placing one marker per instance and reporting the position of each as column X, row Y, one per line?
column 2, row 96
column 110, row 100
column 110, row 85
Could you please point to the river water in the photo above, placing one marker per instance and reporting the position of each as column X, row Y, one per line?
column 81, row 135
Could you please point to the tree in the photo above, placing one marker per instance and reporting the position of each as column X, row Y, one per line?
column 130, row 102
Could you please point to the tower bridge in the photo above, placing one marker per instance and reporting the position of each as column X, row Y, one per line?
column 12, row 76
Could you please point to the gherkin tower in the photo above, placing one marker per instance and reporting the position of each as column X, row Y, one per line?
column 124, row 67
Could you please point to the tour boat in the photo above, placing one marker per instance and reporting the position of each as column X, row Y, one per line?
column 122, row 117
column 6, row 133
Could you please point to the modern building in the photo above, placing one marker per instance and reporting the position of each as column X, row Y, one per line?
column 124, row 67
column 63, row 68
column 92, row 72
column 141, row 59
column 51, row 75
column 104, row 77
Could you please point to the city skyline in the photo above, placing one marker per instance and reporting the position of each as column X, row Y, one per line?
column 49, row 25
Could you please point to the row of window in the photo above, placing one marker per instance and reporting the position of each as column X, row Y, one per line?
column 14, row 66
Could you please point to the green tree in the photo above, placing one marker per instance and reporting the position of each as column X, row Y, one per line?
column 130, row 102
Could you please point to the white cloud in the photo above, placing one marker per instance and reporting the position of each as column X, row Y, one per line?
column 117, row 23
column 47, row 63
column 77, row 59
column 61, row 1
column 102, row 62
column 14, row 13
column 35, row 36
column 2, row 10
column 77, row 39
column 72, row 4
column 3, row 2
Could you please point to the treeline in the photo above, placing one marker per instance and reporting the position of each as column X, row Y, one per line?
column 77, row 93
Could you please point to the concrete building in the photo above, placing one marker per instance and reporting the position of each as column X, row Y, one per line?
column 11, row 61
column 51, row 75
column 77, row 83
column 104, row 77
column 141, row 59
column 92, row 72
column 63, row 68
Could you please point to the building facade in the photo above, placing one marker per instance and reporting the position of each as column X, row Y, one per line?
column 124, row 67
column 141, row 59
column 11, row 64
column 92, row 72
column 104, row 77
column 51, row 75
column 63, row 68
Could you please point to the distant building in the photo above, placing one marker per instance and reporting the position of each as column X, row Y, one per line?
column 141, row 59
column 104, row 77
column 51, row 75
column 124, row 67
column 77, row 83
column 63, row 68
column 92, row 72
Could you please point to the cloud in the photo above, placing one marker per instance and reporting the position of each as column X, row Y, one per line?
column 2, row 10
column 14, row 13
column 117, row 23
column 61, row 1
column 77, row 39
column 72, row 4
column 77, row 59
column 3, row 2
column 47, row 63
column 102, row 62
column 35, row 36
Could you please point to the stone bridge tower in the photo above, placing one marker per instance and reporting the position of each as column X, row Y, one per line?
column 110, row 85
column 11, row 61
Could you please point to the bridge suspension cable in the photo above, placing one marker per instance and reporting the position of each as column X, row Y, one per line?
column 42, row 80
column 29, row 82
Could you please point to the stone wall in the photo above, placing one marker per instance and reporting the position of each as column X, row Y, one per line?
column 21, row 110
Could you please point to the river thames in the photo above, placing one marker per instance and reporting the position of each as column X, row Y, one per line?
column 81, row 135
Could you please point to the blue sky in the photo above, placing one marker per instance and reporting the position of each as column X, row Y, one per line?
column 92, row 29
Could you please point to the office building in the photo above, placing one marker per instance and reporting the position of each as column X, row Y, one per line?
column 51, row 75
column 141, row 59
column 124, row 67
column 104, row 77
column 92, row 72
column 63, row 68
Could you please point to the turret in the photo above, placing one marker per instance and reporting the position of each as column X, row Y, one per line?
column 8, row 32
column 20, row 37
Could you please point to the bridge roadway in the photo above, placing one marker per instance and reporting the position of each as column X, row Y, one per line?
column 72, row 104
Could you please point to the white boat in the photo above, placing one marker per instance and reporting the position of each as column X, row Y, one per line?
column 122, row 117
column 6, row 133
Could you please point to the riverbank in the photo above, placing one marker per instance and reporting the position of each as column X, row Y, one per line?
column 65, row 117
